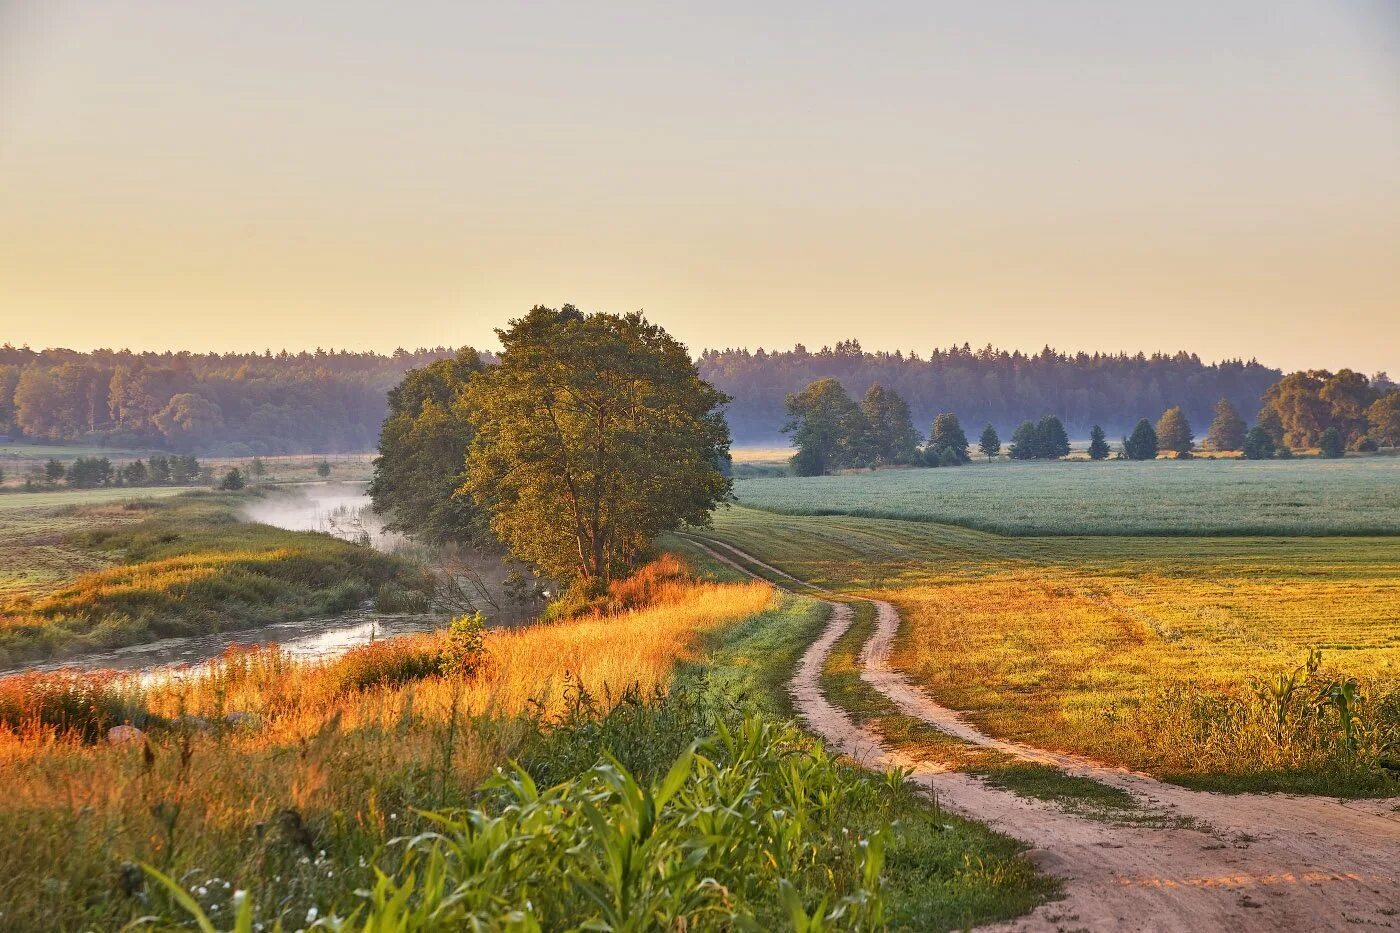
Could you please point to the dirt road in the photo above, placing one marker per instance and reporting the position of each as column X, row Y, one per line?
column 1228, row 862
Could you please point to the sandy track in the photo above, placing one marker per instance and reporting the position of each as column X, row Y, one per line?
column 1245, row 862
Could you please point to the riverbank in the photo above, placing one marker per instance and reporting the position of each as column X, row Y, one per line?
column 177, row 567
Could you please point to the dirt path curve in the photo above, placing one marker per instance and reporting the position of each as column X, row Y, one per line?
column 1244, row 862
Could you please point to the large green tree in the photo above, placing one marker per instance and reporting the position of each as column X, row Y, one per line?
column 827, row 428
column 594, row 434
column 423, row 454
column 1258, row 444
column 1025, row 442
column 891, row 435
column 1227, row 431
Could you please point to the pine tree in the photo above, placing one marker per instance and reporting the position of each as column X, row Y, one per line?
column 1025, row 442
column 1227, row 431
column 1174, row 432
column 1142, row 444
column 1051, row 440
column 989, row 444
column 1098, row 446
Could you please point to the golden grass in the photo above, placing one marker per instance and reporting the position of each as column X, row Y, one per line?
column 1140, row 651
column 345, row 763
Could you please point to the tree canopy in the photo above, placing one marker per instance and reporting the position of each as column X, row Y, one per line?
column 1227, row 431
column 890, row 430
column 423, row 451
column 946, row 433
column 828, row 429
column 1174, row 432
column 593, row 434
column 989, row 443
column 1098, row 444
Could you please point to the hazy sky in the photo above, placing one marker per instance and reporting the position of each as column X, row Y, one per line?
column 1218, row 176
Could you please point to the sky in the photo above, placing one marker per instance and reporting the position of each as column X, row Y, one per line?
column 1222, row 177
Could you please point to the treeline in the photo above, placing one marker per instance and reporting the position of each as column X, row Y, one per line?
column 832, row 432
column 96, row 472
column 988, row 385
column 232, row 404
column 1331, row 413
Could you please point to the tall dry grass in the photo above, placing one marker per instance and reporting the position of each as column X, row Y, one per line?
column 322, row 764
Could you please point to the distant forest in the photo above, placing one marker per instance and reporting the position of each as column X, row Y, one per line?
column 331, row 401
column 989, row 386
column 234, row 404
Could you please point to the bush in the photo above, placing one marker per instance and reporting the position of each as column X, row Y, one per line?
column 464, row 646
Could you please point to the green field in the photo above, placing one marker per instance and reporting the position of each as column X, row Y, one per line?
column 1354, row 496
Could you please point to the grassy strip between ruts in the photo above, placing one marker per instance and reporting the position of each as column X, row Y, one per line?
column 187, row 566
column 300, row 803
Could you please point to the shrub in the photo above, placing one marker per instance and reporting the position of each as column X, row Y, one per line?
column 463, row 646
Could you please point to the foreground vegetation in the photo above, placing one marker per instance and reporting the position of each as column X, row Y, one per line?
column 123, row 573
column 1188, row 658
column 365, row 787
column 1359, row 496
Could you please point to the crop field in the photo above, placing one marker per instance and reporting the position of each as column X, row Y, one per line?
column 1157, row 653
column 1352, row 496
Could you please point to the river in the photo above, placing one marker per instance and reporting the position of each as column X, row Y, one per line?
column 337, row 508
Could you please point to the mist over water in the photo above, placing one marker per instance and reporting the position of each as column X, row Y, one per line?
column 336, row 508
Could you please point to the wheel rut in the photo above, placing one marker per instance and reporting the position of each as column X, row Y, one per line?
column 1236, row 862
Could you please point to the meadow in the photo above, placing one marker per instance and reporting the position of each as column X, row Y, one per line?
column 1184, row 657
column 664, row 721
column 1351, row 496
column 101, row 568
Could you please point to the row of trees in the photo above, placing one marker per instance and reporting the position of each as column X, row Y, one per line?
column 590, row 435
column 234, row 404
column 93, row 472
column 832, row 432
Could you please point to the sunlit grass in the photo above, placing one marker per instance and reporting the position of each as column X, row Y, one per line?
column 310, row 754
column 1141, row 651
